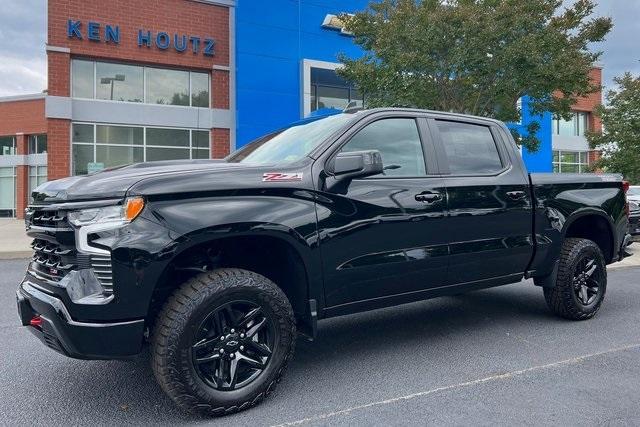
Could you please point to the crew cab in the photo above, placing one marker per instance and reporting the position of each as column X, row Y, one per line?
column 219, row 264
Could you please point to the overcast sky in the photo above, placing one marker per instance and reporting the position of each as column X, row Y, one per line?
column 23, row 60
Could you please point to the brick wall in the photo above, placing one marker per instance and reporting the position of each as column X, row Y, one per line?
column 59, row 145
column 590, row 102
column 22, row 117
column 220, row 143
column 186, row 17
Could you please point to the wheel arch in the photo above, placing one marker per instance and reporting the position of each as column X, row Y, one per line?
column 274, row 251
column 595, row 225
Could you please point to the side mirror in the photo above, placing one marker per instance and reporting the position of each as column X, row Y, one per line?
column 355, row 164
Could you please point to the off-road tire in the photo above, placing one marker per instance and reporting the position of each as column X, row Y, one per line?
column 171, row 345
column 562, row 299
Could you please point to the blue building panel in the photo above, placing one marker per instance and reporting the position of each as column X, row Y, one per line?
column 541, row 160
column 273, row 41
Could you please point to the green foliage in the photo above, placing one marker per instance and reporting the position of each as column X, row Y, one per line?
column 620, row 142
column 475, row 56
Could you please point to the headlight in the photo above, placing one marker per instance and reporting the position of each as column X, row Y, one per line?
column 124, row 213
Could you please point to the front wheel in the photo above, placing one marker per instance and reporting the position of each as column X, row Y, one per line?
column 581, row 283
column 222, row 341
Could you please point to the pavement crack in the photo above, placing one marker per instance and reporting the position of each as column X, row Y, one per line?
column 504, row 376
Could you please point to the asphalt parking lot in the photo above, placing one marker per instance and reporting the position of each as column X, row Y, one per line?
column 490, row 357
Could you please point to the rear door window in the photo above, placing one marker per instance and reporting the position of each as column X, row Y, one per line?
column 470, row 148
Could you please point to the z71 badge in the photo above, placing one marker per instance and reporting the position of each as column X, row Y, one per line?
column 281, row 177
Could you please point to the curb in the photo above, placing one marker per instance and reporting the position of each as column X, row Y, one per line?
column 16, row 254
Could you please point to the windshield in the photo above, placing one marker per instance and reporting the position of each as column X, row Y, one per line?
column 290, row 144
column 634, row 191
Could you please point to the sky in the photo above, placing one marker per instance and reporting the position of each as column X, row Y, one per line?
column 23, row 34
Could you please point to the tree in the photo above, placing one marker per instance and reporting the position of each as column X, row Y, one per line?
column 475, row 56
column 620, row 141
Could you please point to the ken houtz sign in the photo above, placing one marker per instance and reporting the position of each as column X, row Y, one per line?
column 96, row 32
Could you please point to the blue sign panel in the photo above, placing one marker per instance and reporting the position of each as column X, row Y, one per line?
column 110, row 34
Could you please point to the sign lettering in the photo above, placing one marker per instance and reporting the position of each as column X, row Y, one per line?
column 110, row 34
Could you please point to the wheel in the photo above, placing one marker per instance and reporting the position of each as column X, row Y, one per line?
column 222, row 341
column 581, row 283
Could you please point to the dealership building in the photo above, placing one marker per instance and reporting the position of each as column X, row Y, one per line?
column 134, row 81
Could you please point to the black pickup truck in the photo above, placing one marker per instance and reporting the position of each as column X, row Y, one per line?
column 219, row 264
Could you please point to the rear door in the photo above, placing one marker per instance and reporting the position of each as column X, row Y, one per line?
column 489, row 221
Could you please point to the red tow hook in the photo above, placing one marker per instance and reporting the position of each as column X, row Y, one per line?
column 36, row 322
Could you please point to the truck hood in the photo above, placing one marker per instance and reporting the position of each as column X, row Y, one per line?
column 114, row 182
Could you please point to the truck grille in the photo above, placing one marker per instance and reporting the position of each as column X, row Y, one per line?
column 52, row 260
column 55, row 252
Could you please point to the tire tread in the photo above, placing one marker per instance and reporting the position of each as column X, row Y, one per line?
column 175, row 315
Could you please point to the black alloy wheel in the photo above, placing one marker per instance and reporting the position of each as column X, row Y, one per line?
column 586, row 280
column 222, row 341
column 233, row 345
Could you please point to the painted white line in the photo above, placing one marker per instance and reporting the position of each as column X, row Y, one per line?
column 507, row 375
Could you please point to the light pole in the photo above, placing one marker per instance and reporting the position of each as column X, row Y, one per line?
column 110, row 80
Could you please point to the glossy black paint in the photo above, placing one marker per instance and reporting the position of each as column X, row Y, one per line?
column 360, row 243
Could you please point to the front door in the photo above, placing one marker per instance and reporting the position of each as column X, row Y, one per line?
column 382, row 236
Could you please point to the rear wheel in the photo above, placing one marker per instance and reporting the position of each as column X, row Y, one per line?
column 222, row 341
column 581, row 283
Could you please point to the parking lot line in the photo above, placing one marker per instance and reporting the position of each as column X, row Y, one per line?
column 507, row 375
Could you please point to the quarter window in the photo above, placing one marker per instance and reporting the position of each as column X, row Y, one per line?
column 470, row 149
column 398, row 142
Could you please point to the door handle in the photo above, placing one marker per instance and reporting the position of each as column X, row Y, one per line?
column 428, row 197
column 516, row 195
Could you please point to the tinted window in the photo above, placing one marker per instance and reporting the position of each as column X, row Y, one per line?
column 119, row 135
column 470, row 148
column 398, row 142
column 82, row 85
column 200, row 90
column 168, row 137
column 118, row 82
column 168, row 87
column 7, row 145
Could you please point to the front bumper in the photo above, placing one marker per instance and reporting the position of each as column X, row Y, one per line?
column 80, row 340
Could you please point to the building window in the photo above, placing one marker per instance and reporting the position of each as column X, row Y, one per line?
column 570, row 161
column 37, row 176
column 119, row 82
column 134, row 83
column 7, row 192
column 37, row 144
column 97, row 146
column 576, row 126
column 328, row 90
column 7, row 145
